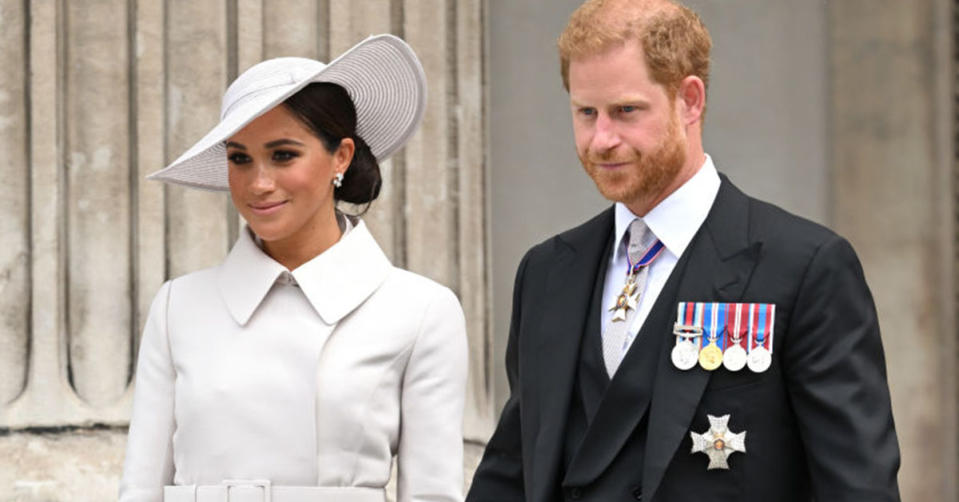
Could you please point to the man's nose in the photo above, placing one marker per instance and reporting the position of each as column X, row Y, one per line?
column 605, row 136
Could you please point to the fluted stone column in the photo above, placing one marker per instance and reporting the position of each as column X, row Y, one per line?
column 94, row 96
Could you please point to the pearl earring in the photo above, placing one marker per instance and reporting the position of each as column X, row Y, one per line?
column 338, row 180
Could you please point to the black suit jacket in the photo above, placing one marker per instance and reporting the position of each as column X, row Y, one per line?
column 819, row 423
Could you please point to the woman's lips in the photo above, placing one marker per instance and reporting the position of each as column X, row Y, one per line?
column 266, row 208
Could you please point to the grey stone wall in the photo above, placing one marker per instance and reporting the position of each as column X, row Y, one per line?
column 94, row 96
column 892, row 161
column 840, row 111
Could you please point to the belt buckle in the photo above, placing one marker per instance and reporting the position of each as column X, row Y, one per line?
column 256, row 483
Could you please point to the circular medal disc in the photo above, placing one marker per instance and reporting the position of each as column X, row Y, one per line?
column 734, row 359
column 684, row 355
column 759, row 360
column 711, row 357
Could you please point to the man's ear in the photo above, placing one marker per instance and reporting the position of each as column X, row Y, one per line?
column 691, row 95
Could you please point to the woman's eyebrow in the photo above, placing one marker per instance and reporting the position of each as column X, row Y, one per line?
column 279, row 142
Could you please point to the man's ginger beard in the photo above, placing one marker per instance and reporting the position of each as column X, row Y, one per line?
column 646, row 176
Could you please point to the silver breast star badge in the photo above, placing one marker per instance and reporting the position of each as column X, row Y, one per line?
column 718, row 442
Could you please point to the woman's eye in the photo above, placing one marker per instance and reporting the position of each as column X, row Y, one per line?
column 238, row 158
column 284, row 155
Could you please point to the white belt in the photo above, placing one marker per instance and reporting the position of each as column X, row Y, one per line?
column 263, row 491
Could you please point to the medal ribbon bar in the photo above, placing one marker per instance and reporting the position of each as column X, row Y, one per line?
column 741, row 325
column 744, row 327
column 761, row 325
column 706, row 321
column 722, row 309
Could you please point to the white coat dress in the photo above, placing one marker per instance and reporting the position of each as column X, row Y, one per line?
column 312, row 378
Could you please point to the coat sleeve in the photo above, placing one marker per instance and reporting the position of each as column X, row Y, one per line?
column 499, row 477
column 836, row 378
column 430, row 456
column 149, row 458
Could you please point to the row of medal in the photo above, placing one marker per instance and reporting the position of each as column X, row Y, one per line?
column 732, row 335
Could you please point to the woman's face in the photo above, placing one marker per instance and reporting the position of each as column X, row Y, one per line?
column 281, row 175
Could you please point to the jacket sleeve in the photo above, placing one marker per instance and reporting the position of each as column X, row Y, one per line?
column 836, row 378
column 149, row 458
column 430, row 456
column 499, row 477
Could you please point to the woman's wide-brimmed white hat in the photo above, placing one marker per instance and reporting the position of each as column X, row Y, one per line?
column 381, row 74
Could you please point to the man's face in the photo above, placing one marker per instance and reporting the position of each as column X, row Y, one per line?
column 628, row 133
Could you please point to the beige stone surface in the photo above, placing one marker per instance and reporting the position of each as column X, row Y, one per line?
column 284, row 38
column 249, row 33
column 149, row 112
column 892, row 158
column 75, row 466
column 197, row 76
column 472, row 454
column 49, row 398
column 97, row 190
column 15, row 212
column 46, row 371
column 431, row 187
column 472, row 236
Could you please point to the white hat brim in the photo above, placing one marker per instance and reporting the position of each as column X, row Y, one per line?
column 382, row 76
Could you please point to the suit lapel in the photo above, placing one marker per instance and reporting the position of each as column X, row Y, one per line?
column 718, row 267
column 555, row 348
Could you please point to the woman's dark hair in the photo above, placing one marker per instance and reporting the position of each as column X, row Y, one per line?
column 328, row 111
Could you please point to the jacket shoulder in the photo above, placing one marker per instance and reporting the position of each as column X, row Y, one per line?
column 784, row 231
column 597, row 227
column 206, row 275
column 414, row 290
column 197, row 284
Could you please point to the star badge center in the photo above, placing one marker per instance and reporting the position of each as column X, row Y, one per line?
column 718, row 443
column 626, row 301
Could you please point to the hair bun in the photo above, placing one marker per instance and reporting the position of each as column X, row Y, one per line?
column 362, row 181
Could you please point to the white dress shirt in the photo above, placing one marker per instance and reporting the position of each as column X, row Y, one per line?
column 315, row 377
column 674, row 221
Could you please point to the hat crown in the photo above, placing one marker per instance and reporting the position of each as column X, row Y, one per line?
column 266, row 75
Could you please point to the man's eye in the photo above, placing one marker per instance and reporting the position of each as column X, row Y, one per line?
column 588, row 112
column 238, row 158
column 627, row 108
column 284, row 155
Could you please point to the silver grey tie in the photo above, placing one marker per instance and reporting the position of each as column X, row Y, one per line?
column 640, row 240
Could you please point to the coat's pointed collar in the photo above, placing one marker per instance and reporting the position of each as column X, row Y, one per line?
column 246, row 276
column 344, row 276
column 335, row 282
